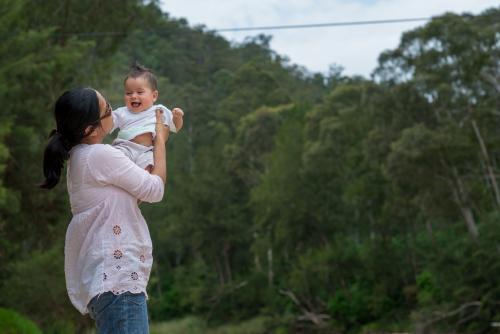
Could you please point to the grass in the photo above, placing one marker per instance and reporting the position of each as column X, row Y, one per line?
column 194, row 325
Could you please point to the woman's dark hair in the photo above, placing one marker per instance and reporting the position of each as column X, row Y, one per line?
column 74, row 111
column 137, row 70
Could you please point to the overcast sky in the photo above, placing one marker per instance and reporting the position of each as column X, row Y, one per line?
column 355, row 48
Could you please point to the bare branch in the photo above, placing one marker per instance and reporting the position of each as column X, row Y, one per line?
column 492, row 80
column 423, row 328
column 308, row 314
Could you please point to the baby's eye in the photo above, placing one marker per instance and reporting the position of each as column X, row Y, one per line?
column 128, row 93
column 140, row 93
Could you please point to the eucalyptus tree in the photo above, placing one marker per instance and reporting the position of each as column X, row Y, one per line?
column 453, row 63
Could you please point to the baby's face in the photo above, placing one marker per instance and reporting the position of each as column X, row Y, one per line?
column 138, row 94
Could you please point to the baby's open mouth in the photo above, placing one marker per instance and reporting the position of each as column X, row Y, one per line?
column 135, row 104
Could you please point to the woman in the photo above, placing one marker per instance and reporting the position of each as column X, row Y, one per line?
column 108, row 251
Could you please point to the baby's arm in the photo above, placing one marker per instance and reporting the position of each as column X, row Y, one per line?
column 177, row 118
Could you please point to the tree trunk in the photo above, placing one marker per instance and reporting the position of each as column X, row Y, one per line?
column 219, row 271
column 270, row 272
column 190, row 147
column 461, row 199
column 256, row 257
column 227, row 264
column 489, row 167
column 372, row 225
column 258, row 266
column 469, row 220
column 492, row 80
column 157, row 272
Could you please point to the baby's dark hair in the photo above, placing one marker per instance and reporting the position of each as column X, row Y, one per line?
column 137, row 70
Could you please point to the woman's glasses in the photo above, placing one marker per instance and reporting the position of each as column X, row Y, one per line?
column 108, row 111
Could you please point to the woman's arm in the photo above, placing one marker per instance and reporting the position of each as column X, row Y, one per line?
column 109, row 166
column 160, row 151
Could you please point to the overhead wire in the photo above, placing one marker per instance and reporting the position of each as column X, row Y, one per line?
column 321, row 25
column 263, row 28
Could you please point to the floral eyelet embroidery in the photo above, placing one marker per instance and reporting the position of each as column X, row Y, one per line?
column 134, row 276
column 118, row 254
column 104, row 276
column 118, row 267
column 142, row 258
column 117, row 229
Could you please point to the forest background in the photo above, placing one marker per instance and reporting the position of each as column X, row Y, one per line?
column 297, row 202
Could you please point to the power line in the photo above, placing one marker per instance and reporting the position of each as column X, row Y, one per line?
column 280, row 27
column 321, row 25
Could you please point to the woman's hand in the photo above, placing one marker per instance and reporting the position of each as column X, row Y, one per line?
column 159, row 149
column 162, row 131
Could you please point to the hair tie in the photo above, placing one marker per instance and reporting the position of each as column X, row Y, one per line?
column 65, row 142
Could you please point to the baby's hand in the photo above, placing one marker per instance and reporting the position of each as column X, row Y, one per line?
column 177, row 115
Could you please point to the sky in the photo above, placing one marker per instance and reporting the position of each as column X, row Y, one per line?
column 355, row 48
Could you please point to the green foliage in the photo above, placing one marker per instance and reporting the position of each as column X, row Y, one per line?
column 12, row 322
column 351, row 307
column 36, row 282
column 292, row 196
column 428, row 292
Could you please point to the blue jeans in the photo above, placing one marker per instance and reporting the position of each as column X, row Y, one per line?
column 126, row 313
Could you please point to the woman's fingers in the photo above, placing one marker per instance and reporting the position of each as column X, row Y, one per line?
column 159, row 115
column 162, row 131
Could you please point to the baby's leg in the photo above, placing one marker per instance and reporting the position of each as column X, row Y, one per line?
column 145, row 160
column 126, row 147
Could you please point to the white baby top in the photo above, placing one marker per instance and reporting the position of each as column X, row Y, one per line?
column 108, row 246
column 132, row 124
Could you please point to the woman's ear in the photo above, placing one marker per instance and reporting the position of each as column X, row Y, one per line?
column 90, row 131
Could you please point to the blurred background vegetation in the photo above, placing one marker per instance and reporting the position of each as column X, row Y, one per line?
column 297, row 202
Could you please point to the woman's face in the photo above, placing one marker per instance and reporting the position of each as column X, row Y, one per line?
column 106, row 115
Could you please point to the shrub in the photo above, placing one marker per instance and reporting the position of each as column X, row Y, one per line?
column 12, row 322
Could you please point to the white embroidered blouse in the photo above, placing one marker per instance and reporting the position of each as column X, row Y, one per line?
column 108, row 246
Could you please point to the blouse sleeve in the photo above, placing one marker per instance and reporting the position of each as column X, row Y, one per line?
column 110, row 166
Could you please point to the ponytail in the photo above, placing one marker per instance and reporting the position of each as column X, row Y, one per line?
column 56, row 153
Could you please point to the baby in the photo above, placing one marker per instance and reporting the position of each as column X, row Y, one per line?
column 137, row 119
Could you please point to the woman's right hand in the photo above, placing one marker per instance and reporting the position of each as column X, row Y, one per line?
column 159, row 150
column 162, row 131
